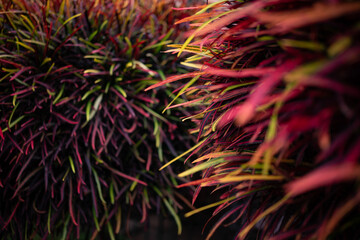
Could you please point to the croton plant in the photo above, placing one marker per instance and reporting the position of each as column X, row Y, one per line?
column 278, row 132
column 80, row 141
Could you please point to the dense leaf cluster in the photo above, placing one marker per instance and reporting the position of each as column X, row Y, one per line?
column 279, row 129
column 80, row 140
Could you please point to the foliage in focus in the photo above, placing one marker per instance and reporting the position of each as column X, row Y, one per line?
column 80, row 141
column 279, row 131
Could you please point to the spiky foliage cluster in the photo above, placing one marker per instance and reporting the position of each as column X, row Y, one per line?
column 279, row 131
column 81, row 143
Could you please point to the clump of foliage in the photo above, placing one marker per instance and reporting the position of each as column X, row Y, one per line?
column 80, row 141
column 279, row 129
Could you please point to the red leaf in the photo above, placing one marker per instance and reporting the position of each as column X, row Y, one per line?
column 77, row 152
column 70, row 204
column 11, row 216
column 9, row 62
column 1, row 134
column 16, row 144
column 64, row 118
column 124, row 175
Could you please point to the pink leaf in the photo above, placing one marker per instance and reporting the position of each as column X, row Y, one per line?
column 249, row 72
column 285, row 21
column 228, row 117
column 20, row 72
column 324, row 176
column 244, row 113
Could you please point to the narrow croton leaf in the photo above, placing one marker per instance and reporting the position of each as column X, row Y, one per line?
column 173, row 79
column 323, row 177
column 329, row 226
column 232, row 16
column 318, row 12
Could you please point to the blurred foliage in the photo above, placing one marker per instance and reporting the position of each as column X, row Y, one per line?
column 278, row 132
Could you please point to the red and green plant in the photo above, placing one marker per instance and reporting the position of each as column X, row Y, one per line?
column 279, row 129
column 80, row 141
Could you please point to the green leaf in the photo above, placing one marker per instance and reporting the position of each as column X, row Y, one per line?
column 87, row 110
column 13, row 111
column 61, row 10
column 155, row 114
column 183, row 154
column 110, row 230
column 111, row 71
column 6, row 76
column 98, row 160
column 161, row 74
column 111, row 193
column 339, row 46
column 68, row 20
column 72, row 164
column 99, row 57
column 156, row 45
column 210, row 6
column 35, row 42
column 314, row 46
column 88, row 93
column 157, row 190
column 47, row 59
column 96, row 106
column 209, row 206
column 25, row 46
column 98, row 186
column 129, row 51
column 60, row 94
column 96, row 221
column 120, row 90
column 191, row 82
column 191, row 37
column 202, row 166
column 49, row 219
column 157, row 50
column 103, row 25
column 66, row 173
column 174, row 214
column 64, row 233
column 29, row 26
column 229, row 179
column 133, row 185
column 108, row 84
column 160, row 153
column 92, row 35
column 146, row 195
column 49, row 70
column 237, row 86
